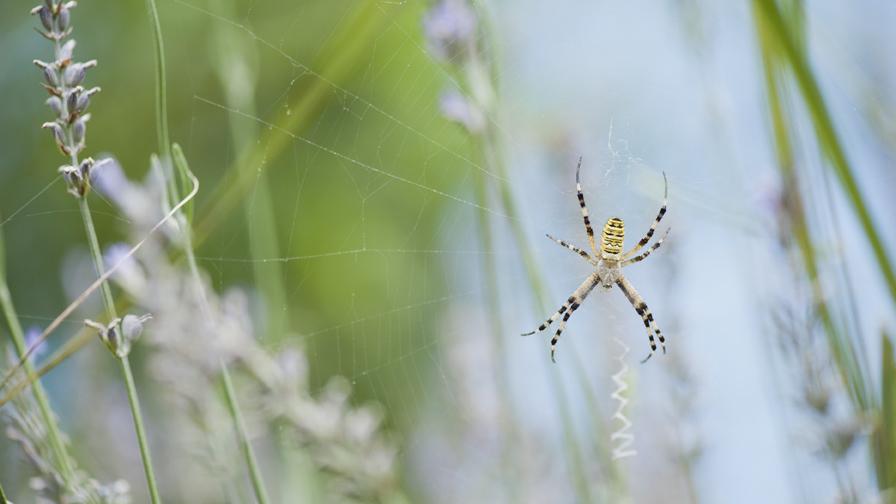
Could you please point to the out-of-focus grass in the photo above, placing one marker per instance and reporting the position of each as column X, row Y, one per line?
column 790, row 52
column 884, row 439
column 779, row 30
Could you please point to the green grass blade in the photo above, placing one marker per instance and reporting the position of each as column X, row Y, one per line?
column 826, row 133
column 161, row 88
column 885, row 446
column 842, row 348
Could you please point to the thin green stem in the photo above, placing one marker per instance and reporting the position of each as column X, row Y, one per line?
column 577, row 464
column 826, row 133
column 3, row 499
column 161, row 89
column 257, row 481
column 125, row 364
column 510, row 464
column 97, row 256
column 230, row 395
column 842, row 348
column 138, row 427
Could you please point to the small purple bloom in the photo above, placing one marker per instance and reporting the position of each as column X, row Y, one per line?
column 450, row 28
column 457, row 107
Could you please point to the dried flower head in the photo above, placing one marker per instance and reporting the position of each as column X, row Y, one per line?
column 120, row 334
column 68, row 99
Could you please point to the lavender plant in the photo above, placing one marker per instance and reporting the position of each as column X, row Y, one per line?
column 63, row 78
column 347, row 443
column 54, row 483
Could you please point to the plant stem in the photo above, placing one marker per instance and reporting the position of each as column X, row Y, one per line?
column 161, row 91
column 133, row 400
column 229, row 394
column 827, row 135
column 248, row 452
column 18, row 339
column 138, row 427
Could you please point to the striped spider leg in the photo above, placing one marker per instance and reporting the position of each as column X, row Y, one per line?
column 608, row 262
column 649, row 235
column 570, row 306
column 641, row 307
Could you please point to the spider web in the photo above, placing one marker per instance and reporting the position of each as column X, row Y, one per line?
column 376, row 222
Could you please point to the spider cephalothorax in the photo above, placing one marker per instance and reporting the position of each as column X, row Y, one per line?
column 608, row 266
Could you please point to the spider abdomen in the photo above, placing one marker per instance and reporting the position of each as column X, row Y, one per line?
column 611, row 238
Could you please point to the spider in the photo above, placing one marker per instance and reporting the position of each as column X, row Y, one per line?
column 608, row 266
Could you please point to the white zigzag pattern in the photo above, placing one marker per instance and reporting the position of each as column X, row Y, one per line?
column 622, row 439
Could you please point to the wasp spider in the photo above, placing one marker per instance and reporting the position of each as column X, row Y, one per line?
column 608, row 264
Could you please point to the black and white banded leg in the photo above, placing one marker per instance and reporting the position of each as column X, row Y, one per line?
column 641, row 307
column 571, row 304
column 647, row 252
column 544, row 325
column 572, row 247
column 588, row 230
column 656, row 222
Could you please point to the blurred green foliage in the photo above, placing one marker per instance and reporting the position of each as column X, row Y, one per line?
column 325, row 198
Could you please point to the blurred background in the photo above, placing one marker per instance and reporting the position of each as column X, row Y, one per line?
column 376, row 180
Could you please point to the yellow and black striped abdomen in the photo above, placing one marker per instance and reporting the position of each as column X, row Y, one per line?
column 611, row 238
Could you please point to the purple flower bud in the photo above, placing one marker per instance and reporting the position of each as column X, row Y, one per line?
column 55, row 104
column 132, row 326
column 74, row 74
column 456, row 107
column 85, row 168
column 58, row 134
column 63, row 19
column 79, row 130
column 50, row 75
column 73, row 180
column 76, row 178
column 46, row 16
column 71, row 100
column 450, row 27
column 84, row 100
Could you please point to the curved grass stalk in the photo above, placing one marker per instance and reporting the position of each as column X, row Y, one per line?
column 255, row 475
column 184, row 172
column 56, row 322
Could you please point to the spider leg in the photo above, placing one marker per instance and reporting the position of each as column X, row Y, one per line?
column 575, row 249
column 544, row 325
column 656, row 222
column 562, row 326
column 571, row 305
column 647, row 252
column 641, row 307
column 584, row 208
